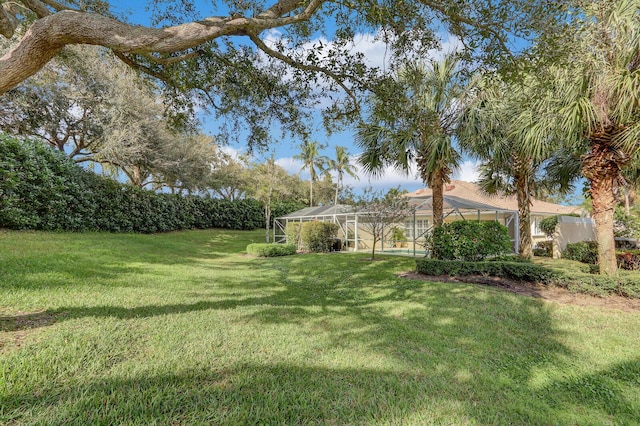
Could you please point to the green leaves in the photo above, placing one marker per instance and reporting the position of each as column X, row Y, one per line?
column 42, row 189
column 470, row 240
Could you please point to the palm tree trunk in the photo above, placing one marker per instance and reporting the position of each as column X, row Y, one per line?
column 437, row 188
column 603, row 199
column 524, row 216
column 601, row 167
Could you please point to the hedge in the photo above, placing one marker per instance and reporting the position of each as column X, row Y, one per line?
column 42, row 189
column 470, row 240
column 576, row 281
column 521, row 271
column 583, row 251
column 271, row 249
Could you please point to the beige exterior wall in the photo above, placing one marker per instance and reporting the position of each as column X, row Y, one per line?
column 572, row 230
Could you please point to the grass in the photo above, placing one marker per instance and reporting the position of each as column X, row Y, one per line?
column 183, row 328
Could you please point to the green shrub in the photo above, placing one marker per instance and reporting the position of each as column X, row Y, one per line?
column 470, row 240
column 42, row 189
column 318, row 237
column 521, row 271
column 543, row 249
column 573, row 279
column 271, row 249
column 599, row 285
column 548, row 225
column 292, row 231
column 583, row 251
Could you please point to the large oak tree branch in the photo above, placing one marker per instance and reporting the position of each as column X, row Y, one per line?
column 49, row 34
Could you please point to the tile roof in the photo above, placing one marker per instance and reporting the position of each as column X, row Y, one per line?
column 466, row 195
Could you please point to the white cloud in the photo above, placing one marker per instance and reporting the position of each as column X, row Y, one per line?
column 292, row 166
column 375, row 50
column 231, row 151
column 469, row 171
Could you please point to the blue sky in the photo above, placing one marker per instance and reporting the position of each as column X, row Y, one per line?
column 284, row 151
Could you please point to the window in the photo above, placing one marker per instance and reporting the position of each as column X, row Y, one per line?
column 421, row 228
column 535, row 226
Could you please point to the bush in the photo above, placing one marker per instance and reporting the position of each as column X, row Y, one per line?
column 42, row 189
column 583, row 251
column 599, row 285
column 271, row 250
column 548, row 225
column 318, row 237
column 571, row 279
column 544, row 249
column 470, row 240
column 292, row 231
column 521, row 271
column 629, row 260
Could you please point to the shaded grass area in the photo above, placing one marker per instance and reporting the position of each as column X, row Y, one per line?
column 183, row 328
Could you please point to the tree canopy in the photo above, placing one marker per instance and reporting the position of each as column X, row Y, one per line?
column 235, row 64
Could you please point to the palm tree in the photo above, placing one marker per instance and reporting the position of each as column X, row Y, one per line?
column 486, row 131
column 591, row 104
column 415, row 120
column 341, row 165
column 313, row 162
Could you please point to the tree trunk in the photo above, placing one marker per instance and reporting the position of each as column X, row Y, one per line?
column 601, row 166
column 52, row 31
column 524, row 216
column 437, row 201
column 603, row 199
column 267, row 215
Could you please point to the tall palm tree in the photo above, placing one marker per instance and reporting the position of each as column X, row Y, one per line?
column 591, row 103
column 341, row 165
column 486, row 130
column 313, row 162
column 414, row 120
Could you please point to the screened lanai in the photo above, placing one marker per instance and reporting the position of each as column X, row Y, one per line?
column 462, row 201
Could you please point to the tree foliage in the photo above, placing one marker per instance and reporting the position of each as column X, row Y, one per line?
column 40, row 188
column 416, row 126
column 230, row 59
column 590, row 103
column 488, row 131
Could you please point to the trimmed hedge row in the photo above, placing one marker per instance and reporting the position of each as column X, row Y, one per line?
column 42, row 189
column 521, row 271
column 271, row 249
column 576, row 281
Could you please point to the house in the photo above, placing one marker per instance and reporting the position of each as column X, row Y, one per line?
column 462, row 201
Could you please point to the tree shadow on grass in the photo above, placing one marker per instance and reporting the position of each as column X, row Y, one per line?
column 292, row 394
column 458, row 355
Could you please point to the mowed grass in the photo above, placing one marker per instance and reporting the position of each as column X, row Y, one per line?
column 184, row 328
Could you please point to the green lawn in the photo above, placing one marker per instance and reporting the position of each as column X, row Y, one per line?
column 183, row 328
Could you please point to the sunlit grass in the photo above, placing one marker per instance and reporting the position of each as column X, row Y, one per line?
column 184, row 328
